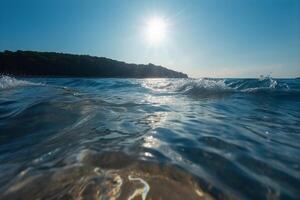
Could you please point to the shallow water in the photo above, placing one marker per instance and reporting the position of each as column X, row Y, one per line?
column 78, row 138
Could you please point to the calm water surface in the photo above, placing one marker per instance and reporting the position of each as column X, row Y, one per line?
column 79, row 138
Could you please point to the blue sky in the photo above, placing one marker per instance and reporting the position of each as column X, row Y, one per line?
column 233, row 38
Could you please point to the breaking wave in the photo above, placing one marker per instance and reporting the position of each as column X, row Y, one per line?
column 219, row 86
column 7, row 82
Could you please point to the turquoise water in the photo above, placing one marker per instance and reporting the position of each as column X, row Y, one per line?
column 239, row 138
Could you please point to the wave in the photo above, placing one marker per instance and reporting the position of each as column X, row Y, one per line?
column 262, row 83
column 7, row 82
column 196, row 87
column 208, row 86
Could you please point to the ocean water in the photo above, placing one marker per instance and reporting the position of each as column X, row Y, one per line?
column 84, row 138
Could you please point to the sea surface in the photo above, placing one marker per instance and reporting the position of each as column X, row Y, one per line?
column 93, row 138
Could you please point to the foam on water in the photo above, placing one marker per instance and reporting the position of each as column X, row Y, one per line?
column 7, row 82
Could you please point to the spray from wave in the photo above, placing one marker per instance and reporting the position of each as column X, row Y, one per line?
column 7, row 82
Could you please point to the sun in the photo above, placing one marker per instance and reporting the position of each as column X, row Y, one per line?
column 156, row 30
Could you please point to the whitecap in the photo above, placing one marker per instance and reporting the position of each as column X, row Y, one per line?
column 7, row 82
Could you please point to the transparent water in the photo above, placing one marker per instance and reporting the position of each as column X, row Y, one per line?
column 236, row 138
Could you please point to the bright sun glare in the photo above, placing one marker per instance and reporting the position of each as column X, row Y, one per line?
column 156, row 30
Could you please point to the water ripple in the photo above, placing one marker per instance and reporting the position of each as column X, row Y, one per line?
column 204, row 138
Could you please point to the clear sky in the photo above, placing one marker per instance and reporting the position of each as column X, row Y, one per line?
column 215, row 38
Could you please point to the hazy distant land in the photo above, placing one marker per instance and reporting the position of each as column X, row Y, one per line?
column 31, row 63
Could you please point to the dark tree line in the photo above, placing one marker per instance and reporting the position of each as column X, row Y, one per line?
column 30, row 63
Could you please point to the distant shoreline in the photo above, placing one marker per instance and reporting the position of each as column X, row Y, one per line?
column 52, row 64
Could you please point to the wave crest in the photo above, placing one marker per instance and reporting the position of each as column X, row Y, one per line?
column 203, row 86
column 262, row 83
column 7, row 82
column 207, row 86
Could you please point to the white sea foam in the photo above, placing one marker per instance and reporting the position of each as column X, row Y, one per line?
column 7, row 82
